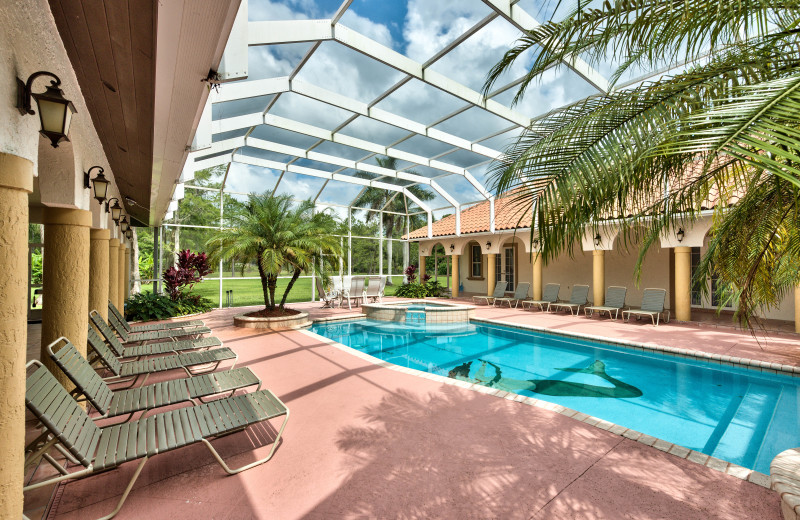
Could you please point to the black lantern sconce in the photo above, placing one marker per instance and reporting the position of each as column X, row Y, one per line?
column 115, row 210
column 100, row 183
column 123, row 223
column 680, row 234
column 597, row 240
column 536, row 243
column 55, row 111
column 452, row 248
column 129, row 233
column 488, row 245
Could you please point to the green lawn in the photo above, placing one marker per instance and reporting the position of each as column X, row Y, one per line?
column 248, row 292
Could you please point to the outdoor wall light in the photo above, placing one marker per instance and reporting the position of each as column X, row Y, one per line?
column 55, row 111
column 123, row 223
column 680, row 235
column 488, row 245
column 129, row 234
column 452, row 248
column 116, row 210
column 536, row 243
column 100, row 183
column 597, row 239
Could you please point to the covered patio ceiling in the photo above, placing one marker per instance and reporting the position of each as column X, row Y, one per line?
column 313, row 92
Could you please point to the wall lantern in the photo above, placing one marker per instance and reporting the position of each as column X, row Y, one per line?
column 100, row 183
column 55, row 111
column 488, row 245
column 536, row 243
column 116, row 210
column 123, row 223
column 452, row 248
column 129, row 234
column 680, row 235
column 597, row 240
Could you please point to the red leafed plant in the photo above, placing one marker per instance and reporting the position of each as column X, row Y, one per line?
column 191, row 269
column 411, row 273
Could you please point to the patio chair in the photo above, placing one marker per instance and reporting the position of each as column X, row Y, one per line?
column 110, row 403
column 150, row 335
column 519, row 294
column 326, row 299
column 355, row 293
column 133, row 329
column 499, row 292
column 652, row 305
column 374, row 290
column 578, row 298
column 549, row 296
column 614, row 302
column 124, row 371
column 151, row 349
column 68, row 427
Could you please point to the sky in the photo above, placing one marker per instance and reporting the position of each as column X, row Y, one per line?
column 418, row 29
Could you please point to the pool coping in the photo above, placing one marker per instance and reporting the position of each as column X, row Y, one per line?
column 723, row 466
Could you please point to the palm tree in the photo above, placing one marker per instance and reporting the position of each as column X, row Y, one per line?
column 388, row 204
column 276, row 234
column 727, row 126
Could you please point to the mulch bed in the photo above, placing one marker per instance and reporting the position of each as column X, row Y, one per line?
column 277, row 313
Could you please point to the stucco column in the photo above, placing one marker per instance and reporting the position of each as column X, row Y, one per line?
column 683, row 283
column 490, row 273
column 120, row 303
column 797, row 308
column 537, row 276
column 421, row 267
column 98, row 271
column 598, row 276
column 456, row 260
column 66, row 281
column 113, row 268
column 127, row 276
column 16, row 182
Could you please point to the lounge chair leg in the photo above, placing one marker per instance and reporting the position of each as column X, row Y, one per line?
column 127, row 491
column 230, row 471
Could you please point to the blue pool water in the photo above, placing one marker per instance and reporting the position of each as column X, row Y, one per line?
column 735, row 414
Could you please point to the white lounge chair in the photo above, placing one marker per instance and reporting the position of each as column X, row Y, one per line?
column 549, row 296
column 328, row 300
column 614, row 302
column 578, row 298
column 355, row 293
column 652, row 305
column 519, row 295
column 374, row 291
column 499, row 292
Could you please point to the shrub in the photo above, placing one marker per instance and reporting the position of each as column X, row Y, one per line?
column 411, row 290
column 149, row 306
column 191, row 269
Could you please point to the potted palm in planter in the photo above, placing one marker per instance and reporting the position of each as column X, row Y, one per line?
column 277, row 235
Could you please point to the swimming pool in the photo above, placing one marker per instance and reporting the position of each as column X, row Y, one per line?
column 739, row 415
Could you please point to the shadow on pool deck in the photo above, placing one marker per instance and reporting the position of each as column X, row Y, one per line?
column 366, row 441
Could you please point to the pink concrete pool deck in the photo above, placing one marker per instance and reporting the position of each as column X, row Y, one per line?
column 366, row 441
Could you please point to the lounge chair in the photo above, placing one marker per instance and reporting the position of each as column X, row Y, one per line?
column 499, row 292
column 150, row 335
column 355, row 293
column 549, row 296
column 374, row 290
column 133, row 329
column 68, row 427
column 578, row 298
column 110, row 403
column 151, row 349
column 328, row 300
column 614, row 302
column 519, row 295
column 131, row 370
column 652, row 305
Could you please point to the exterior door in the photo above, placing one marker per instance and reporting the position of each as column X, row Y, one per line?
column 508, row 253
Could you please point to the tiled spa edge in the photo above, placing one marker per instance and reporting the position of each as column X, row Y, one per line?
column 676, row 450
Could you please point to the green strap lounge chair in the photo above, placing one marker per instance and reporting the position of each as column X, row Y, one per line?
column 549, row 296
column 131, row 370
column 133, row 329
column 652, row 305
column 499, row 292
column 138, row 337
column 150, row 349
column 520, row 294
column 614, row 302
column 69, row 428
column 109, row 403
column 577, row 299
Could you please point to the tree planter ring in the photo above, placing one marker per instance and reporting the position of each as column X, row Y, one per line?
column 293, row 321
